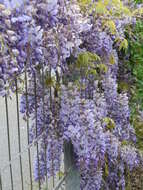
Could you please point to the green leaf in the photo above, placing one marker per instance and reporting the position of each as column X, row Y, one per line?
column 60, row 174
column 102, row 67
column 112, row 59
column 110, row 124
column 86, row 59
column 111, row 25
column 123, row 45
column 50, row 81
column 124, row 143
column 106, row 169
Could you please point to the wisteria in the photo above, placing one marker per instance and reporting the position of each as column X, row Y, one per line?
column 68, row 51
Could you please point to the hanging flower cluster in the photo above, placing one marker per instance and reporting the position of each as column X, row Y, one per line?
column 69, row 50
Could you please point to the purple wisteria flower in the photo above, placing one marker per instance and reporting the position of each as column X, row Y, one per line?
column 43, row 40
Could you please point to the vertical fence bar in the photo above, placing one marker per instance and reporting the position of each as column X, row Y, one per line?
column 141, row 181
column 43, row 99
column 36, row 121
column 27, row 123
column 8, row 138
column 0, row 181
column 19, row 136
column 57, row 110
column 51, row 108
column 53, row 170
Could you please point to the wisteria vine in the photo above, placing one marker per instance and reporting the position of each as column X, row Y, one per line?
column 69, row 50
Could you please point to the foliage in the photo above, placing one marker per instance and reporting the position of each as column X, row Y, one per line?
column 110, row 13
column 135, row 65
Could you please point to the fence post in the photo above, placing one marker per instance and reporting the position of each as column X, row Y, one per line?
column 0, row 181
column 72, row 181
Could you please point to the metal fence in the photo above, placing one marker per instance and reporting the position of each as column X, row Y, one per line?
column 16, row 153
